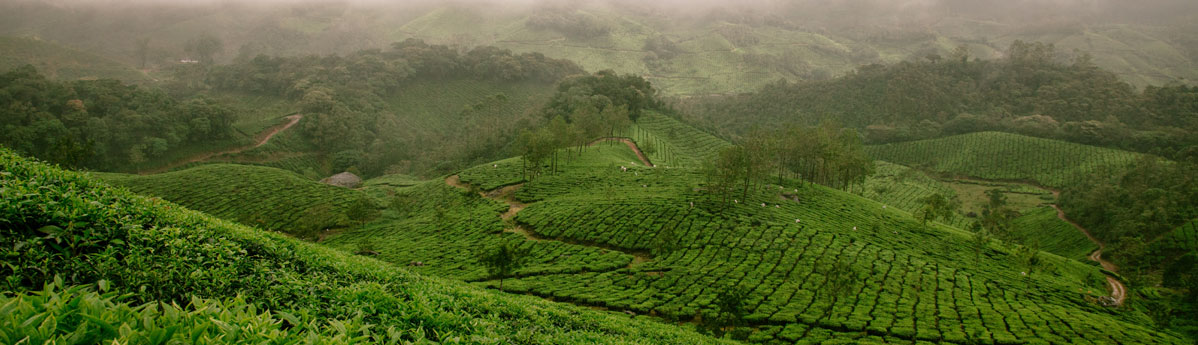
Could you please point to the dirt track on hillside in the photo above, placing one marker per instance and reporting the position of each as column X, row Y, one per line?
column 631, row 145
column 260, row 139
column 507, row 194
column 1118, row 291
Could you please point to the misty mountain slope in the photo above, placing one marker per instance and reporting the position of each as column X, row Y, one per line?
column 76, row 231
column 693, row 50
column 722, row 57
column 62, row 63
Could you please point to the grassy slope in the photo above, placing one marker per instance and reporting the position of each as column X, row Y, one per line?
column 1053, row 235
column 1004, row 156
column 911, row 283
column 159, row 252
column 444, row 228
column 61, row 62
column 264, row 197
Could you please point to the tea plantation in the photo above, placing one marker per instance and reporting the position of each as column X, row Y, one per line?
column 87, row 264
column 1004, row 156
column 263, row 197
column 811, row 264
column 1042, row 227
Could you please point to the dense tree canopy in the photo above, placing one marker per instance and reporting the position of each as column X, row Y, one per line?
column 1032, row 90
column 101, row 124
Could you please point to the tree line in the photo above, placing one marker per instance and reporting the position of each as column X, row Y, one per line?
column 1032, row 90
column 584, row 108
column 102, row 124
column 827, row 154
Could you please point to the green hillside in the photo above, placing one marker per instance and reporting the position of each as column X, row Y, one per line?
column 263, row 197
column 62, row 63
column 1042, row 227
column 813, row 264
column 176, row 272
column 1179, row 241
column 1005, row 156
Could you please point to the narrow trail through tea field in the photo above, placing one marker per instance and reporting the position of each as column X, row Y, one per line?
column 260, row 139
column 1118, row 291
column 507, row 195
column 631, row 145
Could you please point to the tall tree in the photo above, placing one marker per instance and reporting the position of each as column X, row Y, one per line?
column 502, row 259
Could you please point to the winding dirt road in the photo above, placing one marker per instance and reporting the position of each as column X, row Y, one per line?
column 631, row 145
column 260, row 139
column 507, row 195
column 1118, row 291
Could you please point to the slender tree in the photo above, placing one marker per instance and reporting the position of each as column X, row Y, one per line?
column 502, row 259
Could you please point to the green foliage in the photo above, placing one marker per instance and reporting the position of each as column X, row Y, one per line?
column 178, row 272
column 1028, row 92
column 62, row 63
column 601, row 90
column 1053, row 235
column 102, row 123
column 1004, row 156
column 501, row 260
column 1146, row 201
column 935, row 207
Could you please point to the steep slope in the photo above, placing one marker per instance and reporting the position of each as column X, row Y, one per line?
column 67, row 229
column 811, row 264
column 1042, row 227
column 1004, row 156
column 262, row 197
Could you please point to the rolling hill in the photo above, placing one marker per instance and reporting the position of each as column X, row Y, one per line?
column 82, row 244
column 612, row 233
column 1004, row 156
column 262, row 197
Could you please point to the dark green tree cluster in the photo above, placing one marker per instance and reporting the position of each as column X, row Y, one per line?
column 1149, row 199
column 1033, row 90
column 342, row 98
column 828, row 154
column 602, row 90
column 101, row 124
column 584, row 108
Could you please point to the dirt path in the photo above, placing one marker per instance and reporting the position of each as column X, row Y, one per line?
column 507, row 195
column 631, row 145
column 260, row 139
column 1118, row 291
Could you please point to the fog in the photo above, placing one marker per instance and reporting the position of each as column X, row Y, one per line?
column 831, row 11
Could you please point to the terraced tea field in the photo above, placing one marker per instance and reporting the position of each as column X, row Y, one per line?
column 815, row 264
column 436, row 228
column 1004, row 156
column 668, row 141
column 1052, row 234
column 903, row 187
column 263, row 197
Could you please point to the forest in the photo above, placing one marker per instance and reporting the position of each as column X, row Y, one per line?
column 1034, row 90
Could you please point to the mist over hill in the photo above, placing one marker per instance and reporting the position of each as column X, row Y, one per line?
column 686, row 47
